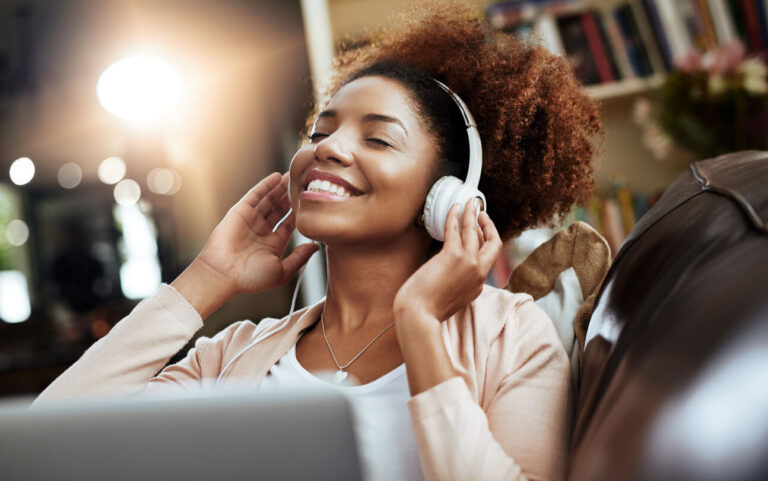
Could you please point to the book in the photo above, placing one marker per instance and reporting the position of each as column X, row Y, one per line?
column 752, row 25
column 693, row 22
column 610, row 53
column 709, row 34
column 652, row 12
column 647, row 37
column 721, row 17
column 624, row 199
column 638, row 57
column 577, row 51
column 672, row 23
column 613, row 229
column 596, row 47
column 762, row 10
column 618, row 47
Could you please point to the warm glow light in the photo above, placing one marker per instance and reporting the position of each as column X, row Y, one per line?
column 22, row 170
column 139, row 88
column 14, row 297
column 111, row 170
column 127, row 192
column 17, row 232
column 164, row 181
column 70, row 175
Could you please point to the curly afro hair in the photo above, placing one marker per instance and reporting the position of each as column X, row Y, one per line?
column 537, row 124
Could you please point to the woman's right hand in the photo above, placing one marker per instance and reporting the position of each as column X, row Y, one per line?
column 243, row 254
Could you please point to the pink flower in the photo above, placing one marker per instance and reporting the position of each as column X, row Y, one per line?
column 691, row 61
column 724, row 59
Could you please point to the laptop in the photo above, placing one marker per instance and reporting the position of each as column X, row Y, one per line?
column 289, row 434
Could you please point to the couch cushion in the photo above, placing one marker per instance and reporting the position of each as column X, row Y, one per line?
column 685, row 300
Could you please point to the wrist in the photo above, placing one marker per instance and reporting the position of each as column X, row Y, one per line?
column 204, row 288
column 412, row 317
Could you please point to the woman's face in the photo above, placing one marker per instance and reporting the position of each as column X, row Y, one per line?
column 369, row 141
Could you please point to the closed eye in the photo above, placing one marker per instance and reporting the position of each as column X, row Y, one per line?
column 313, row 137
column 378, row 142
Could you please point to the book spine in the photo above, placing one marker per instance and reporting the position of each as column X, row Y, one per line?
column 762, row 10
column 624, row 198
column 612, row 223
column 596, row 47
column 635, row 49
column 708, row 25
column 609, row 50
column 646, row 35
column 545, row 28
column 752, row 25
column 577, row 49
column 619, row 47
column 721, row 16
column 652, row 11
column 679, row 40
column 738, row 21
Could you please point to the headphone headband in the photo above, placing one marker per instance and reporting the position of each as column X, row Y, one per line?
column 473, row 136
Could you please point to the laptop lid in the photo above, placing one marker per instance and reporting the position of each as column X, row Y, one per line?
column 289, row 434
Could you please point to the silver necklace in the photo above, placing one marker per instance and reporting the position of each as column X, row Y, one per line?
column 341, row 374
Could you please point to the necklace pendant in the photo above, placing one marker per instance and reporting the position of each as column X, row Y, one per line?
column 339, row 376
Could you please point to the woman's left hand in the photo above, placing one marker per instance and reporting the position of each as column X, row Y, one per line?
column 453, row 277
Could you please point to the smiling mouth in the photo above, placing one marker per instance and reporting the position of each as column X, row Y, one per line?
column 326, row 187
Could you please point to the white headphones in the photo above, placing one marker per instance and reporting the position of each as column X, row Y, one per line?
column 449, row 190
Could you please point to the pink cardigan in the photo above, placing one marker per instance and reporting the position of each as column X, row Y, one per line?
column 505, row 416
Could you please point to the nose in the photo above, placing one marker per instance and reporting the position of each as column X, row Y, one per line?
column 333, row 149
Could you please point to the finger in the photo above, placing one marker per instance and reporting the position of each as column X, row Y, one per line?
column 258, row 191
column 297, row 258
column 492, row 247
column 271, row 201
column 469, row 227
column 279, row 211
column 452, row 238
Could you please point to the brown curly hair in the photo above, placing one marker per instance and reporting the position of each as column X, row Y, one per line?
column 537, row 124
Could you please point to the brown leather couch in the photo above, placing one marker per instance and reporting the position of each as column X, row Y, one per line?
column 674, row 381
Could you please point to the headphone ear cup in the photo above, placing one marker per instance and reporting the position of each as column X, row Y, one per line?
column 444, row 193
column 438, row 203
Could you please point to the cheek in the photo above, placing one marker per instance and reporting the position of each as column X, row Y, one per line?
column 299, row 164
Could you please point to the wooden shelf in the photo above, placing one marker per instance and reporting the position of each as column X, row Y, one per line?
column 625, row 87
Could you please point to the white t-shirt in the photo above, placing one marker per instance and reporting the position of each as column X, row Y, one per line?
column 382, row 423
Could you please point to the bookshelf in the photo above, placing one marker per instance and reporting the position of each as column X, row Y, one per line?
column 623, row 88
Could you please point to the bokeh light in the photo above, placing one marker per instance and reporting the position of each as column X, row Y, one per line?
column 70, row 175
column 22, row 171
column 17, row 232
column 111, row 170
column 139, row 88
column 127, row 192
column 163, row 181
column 14, row 297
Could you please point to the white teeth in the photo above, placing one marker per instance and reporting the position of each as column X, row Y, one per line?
column 318, row 185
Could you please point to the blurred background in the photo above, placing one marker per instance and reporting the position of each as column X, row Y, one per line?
column 129, row 127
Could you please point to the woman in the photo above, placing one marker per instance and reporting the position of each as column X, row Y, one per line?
column 473, row 380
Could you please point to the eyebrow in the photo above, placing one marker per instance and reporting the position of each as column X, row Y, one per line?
column 368, row 118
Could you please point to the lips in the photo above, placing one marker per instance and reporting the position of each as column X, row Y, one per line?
column 334, row 179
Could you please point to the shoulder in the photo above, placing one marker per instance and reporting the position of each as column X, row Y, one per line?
column 516, row 328
column 239, row 334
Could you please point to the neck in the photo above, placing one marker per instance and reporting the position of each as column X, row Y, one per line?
column 364, row 279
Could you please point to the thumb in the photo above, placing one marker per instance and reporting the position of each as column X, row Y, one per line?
column 297, row 258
